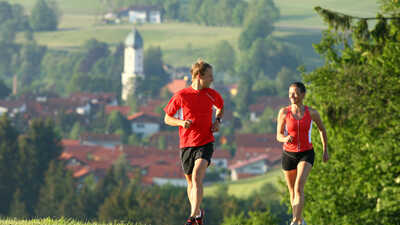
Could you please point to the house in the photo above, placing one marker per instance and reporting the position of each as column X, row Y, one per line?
column 158, row 167
column 144, row 14
column 273, row 102
column 177, row 85
column 124, row 110
column 105, row 140
column 251, row 148
column 12, row 107
column 145, row 123
column 220, row 158
column 165, row 140
column 252, row 167
column 95, row 98
column 84, row 160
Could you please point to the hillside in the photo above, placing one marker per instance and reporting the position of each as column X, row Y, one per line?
column 244, row 188
column 300, row 26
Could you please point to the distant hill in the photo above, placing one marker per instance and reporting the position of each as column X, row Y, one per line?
column 181, row 43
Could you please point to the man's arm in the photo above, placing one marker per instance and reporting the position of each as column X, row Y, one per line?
column 219, row 113
column 172, row 121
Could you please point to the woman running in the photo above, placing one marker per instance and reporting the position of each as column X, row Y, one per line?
column 294, row 130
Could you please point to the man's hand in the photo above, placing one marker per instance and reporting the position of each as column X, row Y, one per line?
column 186, row 123
column 215, row 127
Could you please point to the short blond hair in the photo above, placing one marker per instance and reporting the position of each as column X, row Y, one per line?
column 200, row 68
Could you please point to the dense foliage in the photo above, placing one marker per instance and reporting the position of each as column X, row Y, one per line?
column 356, row 91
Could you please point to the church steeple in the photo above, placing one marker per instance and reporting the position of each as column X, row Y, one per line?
column 133, row 63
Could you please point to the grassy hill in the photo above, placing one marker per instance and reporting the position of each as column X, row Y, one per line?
column 244, row 188
column 183, row 43
column 55, row 222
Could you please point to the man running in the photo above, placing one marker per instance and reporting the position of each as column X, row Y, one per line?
column 191, row 109
column 294, row 130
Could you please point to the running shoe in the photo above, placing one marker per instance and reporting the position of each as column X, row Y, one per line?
column 191, row 221
column 303, row 222
column 200, row 219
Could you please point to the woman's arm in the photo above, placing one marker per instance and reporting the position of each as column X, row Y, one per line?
column 322, row 132
column 280, row 136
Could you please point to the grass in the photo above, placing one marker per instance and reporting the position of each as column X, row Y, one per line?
column 244, row 188
column 181, row 44
column 55, row 222
column 301, row 14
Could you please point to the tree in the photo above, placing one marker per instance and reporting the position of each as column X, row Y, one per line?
column 8, row 163
column 94, row 50
column 117, row 121
column 224, row 57
column 4, row 90
column 358, row 102
column 43, row 17
column 260, row 16
column 30, row 59
column 55, row 194
column 172, row 9
column 37, row 148
column 17, row 207
column 155, row 76
column 283, row 79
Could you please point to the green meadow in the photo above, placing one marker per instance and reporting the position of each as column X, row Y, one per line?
column 245, row 187
column 182, row 43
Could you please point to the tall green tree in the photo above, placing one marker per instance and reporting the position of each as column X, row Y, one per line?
column 57, row 195
column 155, row 76
column 356, row 93
column 9, row 161
column 37, row 148
column 223, row 57
column 44, row 17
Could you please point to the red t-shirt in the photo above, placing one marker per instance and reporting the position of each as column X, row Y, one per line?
column 195, row 105
column 300, row 130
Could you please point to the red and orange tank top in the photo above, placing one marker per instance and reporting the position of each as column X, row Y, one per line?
column 300, row 130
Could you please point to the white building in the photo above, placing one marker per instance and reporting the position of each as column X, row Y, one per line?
column 144, row 14
column 145, row 123
column 133, row 63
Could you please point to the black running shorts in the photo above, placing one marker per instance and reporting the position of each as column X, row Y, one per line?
column 291, row 159
column 190, row 154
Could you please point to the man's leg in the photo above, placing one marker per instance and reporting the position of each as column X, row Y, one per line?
column 199, row 171
column 303, row 169
column 189, row 188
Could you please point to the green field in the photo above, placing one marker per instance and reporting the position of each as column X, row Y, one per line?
column 55, row 222
column 244, row 188
column 181, row 44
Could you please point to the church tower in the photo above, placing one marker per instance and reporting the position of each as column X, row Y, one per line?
column 133, row 63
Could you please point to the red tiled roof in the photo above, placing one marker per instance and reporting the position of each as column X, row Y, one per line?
column 252, row 160
column 145, row 117
column 100, row 137
column 11, row 104
column 70, row 142
column 176, row 85
column 246, row 175
column 221, row 154
column 151, row 105
column 273, row 102
column 124, row 110
column 257, row 140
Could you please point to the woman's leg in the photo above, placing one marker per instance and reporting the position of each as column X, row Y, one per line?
column 303, row 169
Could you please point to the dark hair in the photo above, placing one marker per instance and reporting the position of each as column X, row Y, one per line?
column 200, row 68
column 300, row 86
